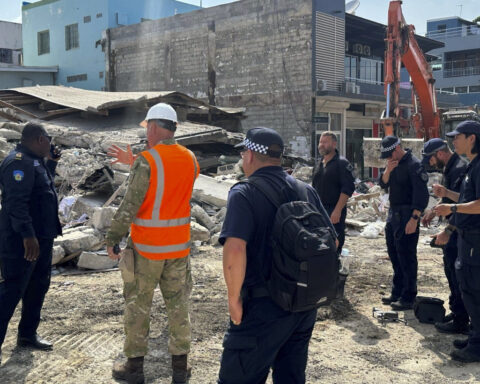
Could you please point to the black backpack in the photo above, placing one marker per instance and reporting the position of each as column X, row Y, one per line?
column 305, row 265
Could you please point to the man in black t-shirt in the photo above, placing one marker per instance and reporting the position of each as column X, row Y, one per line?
column 334, row 182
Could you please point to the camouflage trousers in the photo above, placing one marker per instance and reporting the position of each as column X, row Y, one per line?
column 175, row 280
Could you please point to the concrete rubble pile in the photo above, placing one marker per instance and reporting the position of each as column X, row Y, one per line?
column 90, row 189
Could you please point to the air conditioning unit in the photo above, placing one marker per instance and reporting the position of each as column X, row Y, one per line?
column 321, row 85
column 350, row 87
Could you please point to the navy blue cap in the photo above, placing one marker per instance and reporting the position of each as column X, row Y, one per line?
column 431, row 147
column 389, row 143
column 468, row 126
column 261, row 140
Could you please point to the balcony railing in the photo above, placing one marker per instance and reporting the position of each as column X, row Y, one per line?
column 467, row 30
column 460, row 72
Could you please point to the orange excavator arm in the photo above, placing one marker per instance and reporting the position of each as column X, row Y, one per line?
column 402, row 47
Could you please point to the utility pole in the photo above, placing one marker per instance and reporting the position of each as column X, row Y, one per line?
column 458, row 5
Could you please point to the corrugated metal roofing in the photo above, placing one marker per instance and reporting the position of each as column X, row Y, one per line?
column 99, row 101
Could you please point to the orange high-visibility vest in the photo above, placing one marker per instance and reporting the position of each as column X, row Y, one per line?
column 161, row 228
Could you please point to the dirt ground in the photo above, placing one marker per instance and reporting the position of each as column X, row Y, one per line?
column 83, row 316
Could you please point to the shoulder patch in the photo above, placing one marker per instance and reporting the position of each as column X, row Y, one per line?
column 349, row 167
column 18, row 175
column 19, row 156
column 36, row 163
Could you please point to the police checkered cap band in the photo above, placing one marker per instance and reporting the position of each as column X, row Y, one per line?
column 391, row 147
column 433, row 152
column 255, row 147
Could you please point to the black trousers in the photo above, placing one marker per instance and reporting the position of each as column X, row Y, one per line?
column 455, row 301
column 402, row 251
column 268, row 337
column 26, row 281
column 339, row 227
column 468, row 272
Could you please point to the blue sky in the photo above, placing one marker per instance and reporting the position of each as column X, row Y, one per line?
column 416, row 12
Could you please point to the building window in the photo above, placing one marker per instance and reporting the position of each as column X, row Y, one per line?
column 442, row 28
column 71, row 36
column 447, row 90
column 6, row 55
column 461, row 89
column 99, row 15
column 100, row 75
column 87, row 19
column 74, row 78
column 474, row 88
column 43, row 42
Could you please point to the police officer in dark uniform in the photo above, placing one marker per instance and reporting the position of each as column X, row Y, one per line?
column 334, row 182
column 437, row 154
column 261, row 334
column 28, row 224
column 467, row 224
column 406, row 181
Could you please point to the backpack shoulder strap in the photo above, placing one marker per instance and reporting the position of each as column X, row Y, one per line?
column 267, row 189
column 301, row 190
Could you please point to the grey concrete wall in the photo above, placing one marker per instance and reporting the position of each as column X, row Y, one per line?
column 252, row 53
column 9, row 79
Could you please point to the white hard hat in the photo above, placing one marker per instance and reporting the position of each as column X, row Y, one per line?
column 160, row 111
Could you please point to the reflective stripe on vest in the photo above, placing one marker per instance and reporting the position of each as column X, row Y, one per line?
column 156, row 221
column 162, row 248
column 147, row 232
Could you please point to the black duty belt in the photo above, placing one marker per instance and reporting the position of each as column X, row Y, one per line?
column 254, row 292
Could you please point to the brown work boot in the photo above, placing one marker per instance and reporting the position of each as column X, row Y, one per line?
column 180, row 370
column 131, row 371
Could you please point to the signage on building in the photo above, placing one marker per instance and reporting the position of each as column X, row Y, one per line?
column 358, row 49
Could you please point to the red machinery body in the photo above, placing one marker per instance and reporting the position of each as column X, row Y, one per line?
column 402, row 47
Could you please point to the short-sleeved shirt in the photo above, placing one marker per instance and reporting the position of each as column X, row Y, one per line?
column 407, row 184
column 334, row 178
column 250, row 216
column 469, row 191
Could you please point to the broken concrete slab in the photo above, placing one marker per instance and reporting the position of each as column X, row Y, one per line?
column 202, row 217
column 214, row 239
column 9, row 134
column 212, row 191
column 84, row 239
column 58, row 253
column 92, row 260
column 304, row 174
column 199, row 232
column 88, row 203
column 220, row 216
column 102, row 217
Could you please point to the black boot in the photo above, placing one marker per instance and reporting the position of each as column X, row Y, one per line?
column 453, row 326
column 131, row 371
column 34, row 341
column 460, row 343
column 180, row 369
column 389, row 299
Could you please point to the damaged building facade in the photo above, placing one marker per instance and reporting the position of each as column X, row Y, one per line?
column 300, row 67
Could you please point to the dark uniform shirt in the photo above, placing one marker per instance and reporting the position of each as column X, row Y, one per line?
column 469, row 191
column 29, row 199
column 250, row 216
column 453, row 174
column 407, row 185
column 333, row 179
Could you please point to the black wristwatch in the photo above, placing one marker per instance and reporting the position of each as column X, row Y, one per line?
column 453, row 208
column 415, row 217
